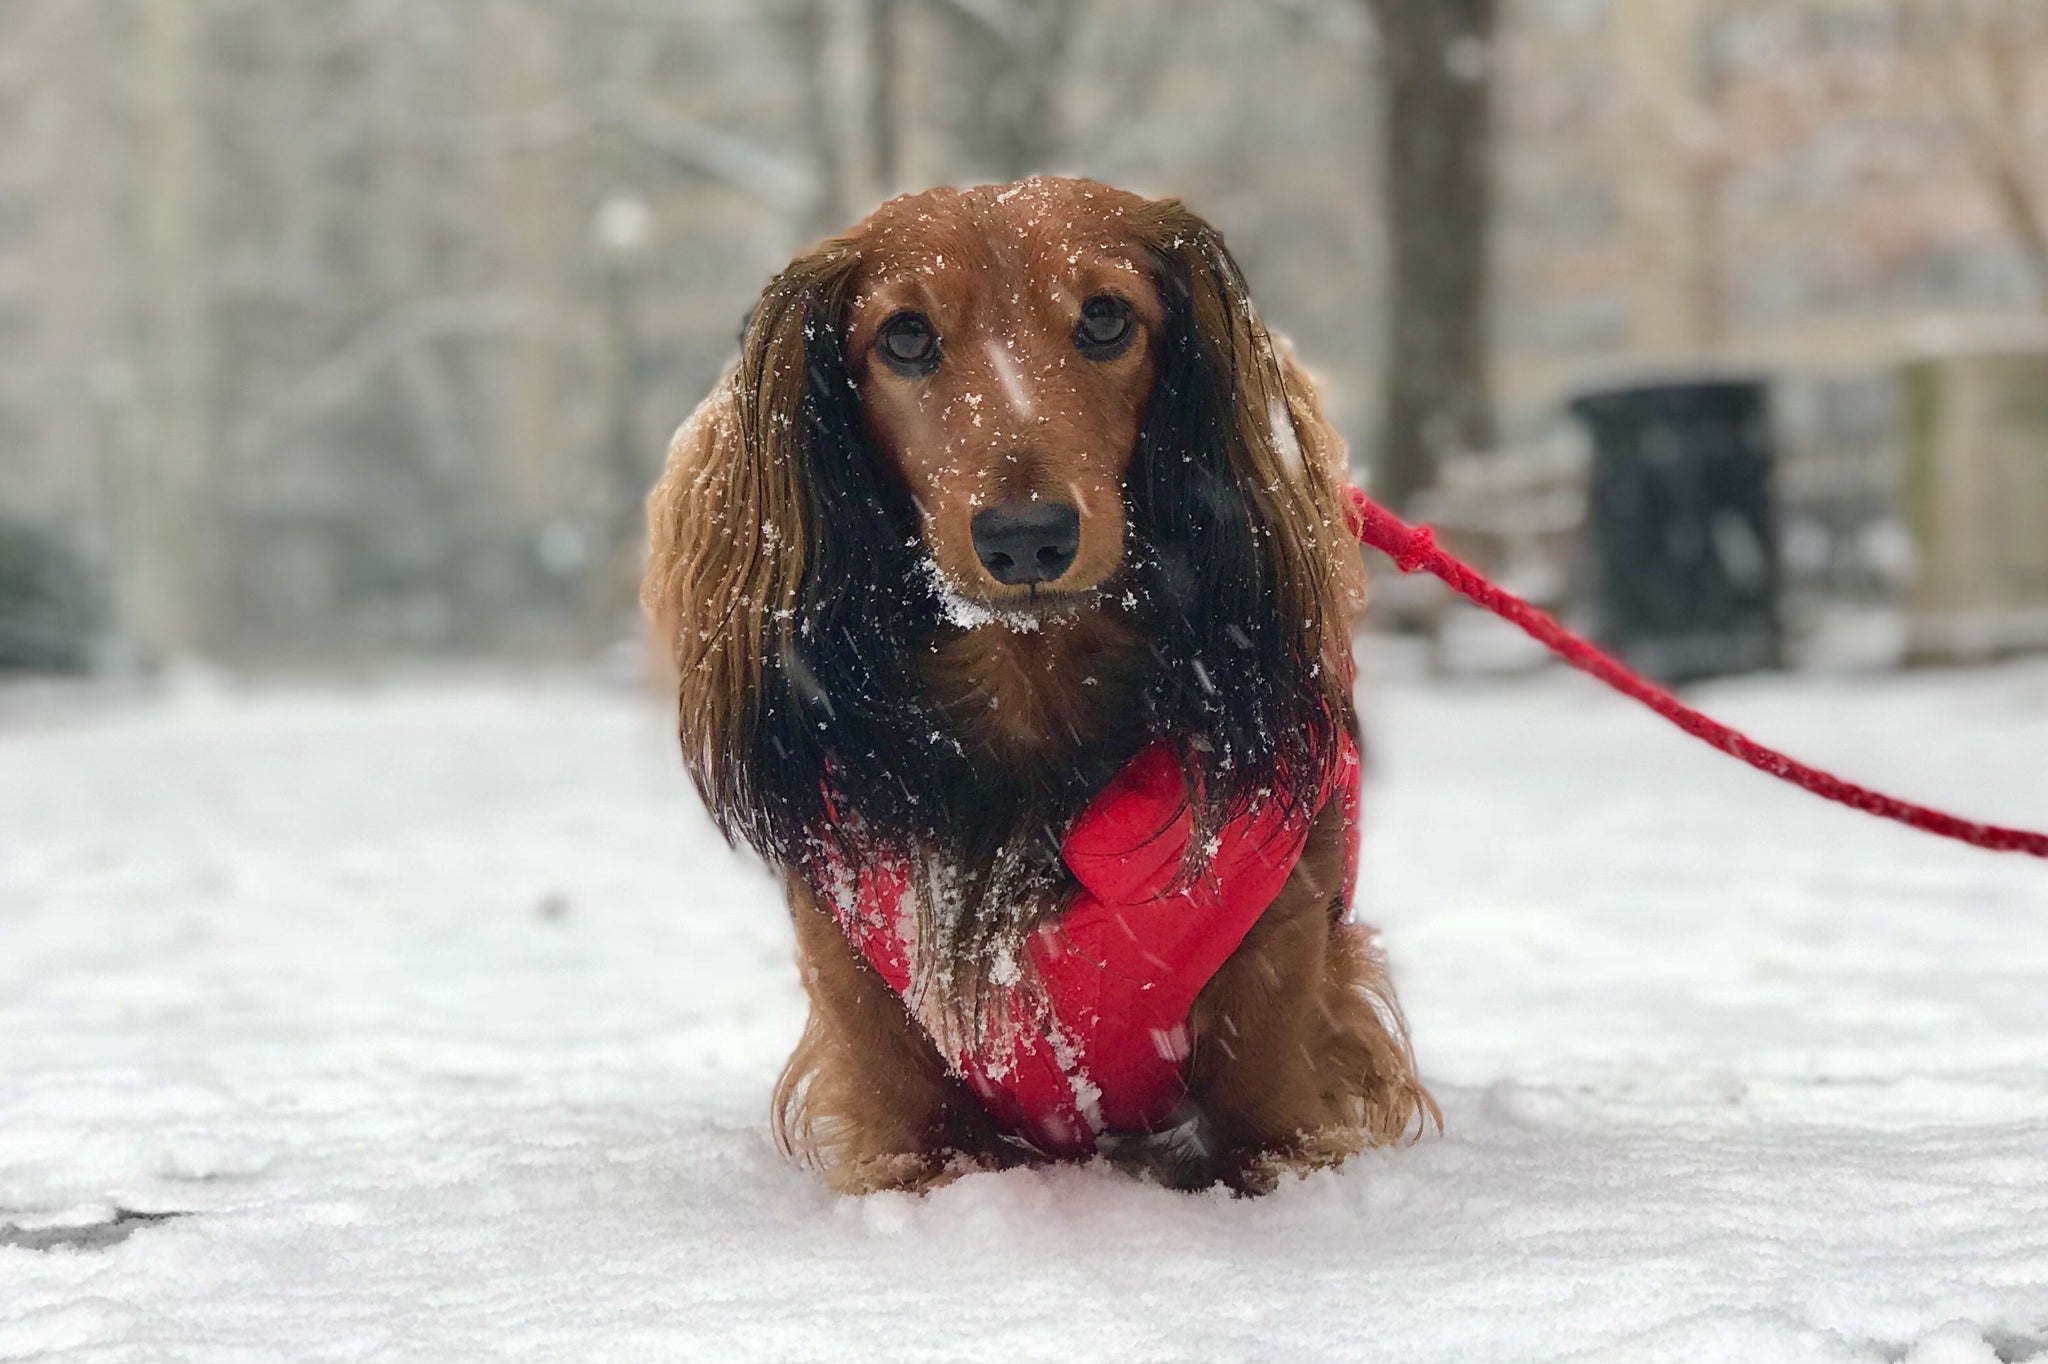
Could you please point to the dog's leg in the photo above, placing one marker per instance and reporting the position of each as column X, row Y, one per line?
column 1300, row 1056
column 865, row 1096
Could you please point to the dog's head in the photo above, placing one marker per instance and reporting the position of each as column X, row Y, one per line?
column 1003, row 345
column 1047, row 397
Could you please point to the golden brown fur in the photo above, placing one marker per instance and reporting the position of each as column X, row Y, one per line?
column 1300, row 1057
column 1300, row 1054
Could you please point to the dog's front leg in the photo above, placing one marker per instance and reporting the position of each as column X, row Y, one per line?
column 1300, row 1059
column 865, row 1096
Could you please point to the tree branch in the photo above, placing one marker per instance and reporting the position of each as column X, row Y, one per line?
column 775, row 180
column 336, row 381
column 1009, row 21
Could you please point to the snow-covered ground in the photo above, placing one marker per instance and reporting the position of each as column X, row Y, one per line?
column 447, row 1027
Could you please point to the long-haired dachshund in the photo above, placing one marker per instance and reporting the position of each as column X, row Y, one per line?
column 1007, row 581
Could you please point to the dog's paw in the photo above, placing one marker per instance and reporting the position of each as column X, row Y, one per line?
column 1185, row 1153
column 900, row 1172
column 1260, row 1172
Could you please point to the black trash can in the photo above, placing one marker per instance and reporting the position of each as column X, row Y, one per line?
column 1683, row 532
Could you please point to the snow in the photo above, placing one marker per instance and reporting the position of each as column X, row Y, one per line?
column 444, row 1019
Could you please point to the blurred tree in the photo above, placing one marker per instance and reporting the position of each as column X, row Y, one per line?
column 307, row 343
column 621, row 231
column 883, row 139
column 1436, row 69
column 1006, row 60
column 1673, row 167
column 168, row 471
column 809, row 23
column 1986, row 58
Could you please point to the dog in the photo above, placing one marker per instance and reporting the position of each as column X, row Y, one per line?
column 1013, row 529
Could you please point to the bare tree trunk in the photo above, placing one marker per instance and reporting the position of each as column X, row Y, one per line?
column 810, row 29
column 1011, row 57
column 881, row 110
column 527, row 50
column 1436, row 79
column 169, row 578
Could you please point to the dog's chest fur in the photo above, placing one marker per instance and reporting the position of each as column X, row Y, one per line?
column 1050, row 708
column 1046, row 717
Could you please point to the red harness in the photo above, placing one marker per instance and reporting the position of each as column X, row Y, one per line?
column 1102, row 1049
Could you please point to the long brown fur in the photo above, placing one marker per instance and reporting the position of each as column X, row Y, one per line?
column 1300, row 1057
column 727, row 526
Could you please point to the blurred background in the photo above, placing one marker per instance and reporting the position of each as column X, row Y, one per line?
column 336, row 331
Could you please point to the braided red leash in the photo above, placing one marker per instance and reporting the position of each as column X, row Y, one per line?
column 1414, row 548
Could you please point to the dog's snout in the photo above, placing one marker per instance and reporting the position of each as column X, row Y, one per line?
column 1027, row 542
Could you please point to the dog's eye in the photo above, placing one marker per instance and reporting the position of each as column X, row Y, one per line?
column 909, row 344
column 1105, row 327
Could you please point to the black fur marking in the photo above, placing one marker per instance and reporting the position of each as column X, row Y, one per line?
column 1237, row 687
column 839, row 704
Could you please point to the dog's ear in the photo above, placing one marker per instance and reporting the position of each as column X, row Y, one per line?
column 733, row 521
column 1235, row 502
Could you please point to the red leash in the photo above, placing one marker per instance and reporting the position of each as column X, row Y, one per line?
column 1414, row 548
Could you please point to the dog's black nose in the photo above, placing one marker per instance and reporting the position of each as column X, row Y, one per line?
column 1027, row 542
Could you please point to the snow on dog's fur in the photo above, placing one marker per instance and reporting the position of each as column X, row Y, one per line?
column 859, row 678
